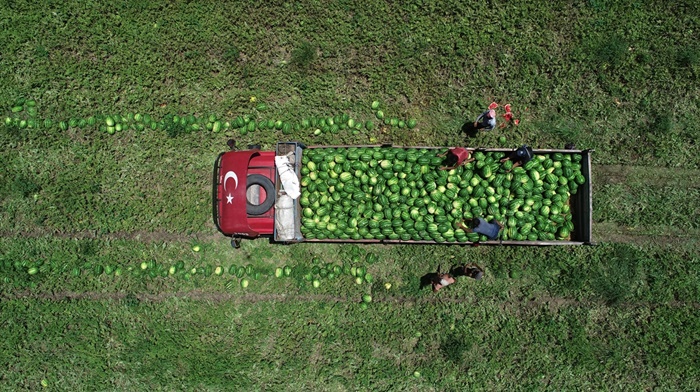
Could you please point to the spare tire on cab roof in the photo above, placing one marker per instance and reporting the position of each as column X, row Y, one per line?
column 268, row 186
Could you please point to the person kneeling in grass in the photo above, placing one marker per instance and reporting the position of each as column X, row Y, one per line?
column 481, row 226
column 442, row 280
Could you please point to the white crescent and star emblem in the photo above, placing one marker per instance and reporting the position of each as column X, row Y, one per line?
column 230, row 174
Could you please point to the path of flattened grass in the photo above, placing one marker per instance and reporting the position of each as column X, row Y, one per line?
column 147, row 181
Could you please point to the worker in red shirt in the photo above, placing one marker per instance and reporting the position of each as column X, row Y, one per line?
column 456, row 157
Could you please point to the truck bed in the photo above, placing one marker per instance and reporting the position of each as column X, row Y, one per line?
column 580, row 203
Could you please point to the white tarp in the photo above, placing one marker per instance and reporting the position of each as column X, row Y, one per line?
column 288, row 177
column 284, row 218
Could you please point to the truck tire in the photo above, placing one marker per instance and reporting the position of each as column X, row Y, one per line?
column 269, row 187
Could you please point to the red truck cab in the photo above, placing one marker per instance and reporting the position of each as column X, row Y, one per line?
column 244, row 193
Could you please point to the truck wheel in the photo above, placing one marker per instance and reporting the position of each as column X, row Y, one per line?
column 269, row 187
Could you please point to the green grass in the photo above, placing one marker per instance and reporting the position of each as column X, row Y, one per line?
column 303, row 55
column 149, row 64
column 297, row 345
column 617, row 78
column 569, row 315
column 648, row 206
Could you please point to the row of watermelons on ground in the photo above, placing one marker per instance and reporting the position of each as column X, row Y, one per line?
column 24, row 116
column 313, row 274
column 400, row 194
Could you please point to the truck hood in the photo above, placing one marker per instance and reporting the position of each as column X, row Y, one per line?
column 231, row 184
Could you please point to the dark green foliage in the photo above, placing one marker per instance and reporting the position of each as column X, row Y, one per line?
column 455, row 346
column 130, row 300
column 173, row 127
column 662, row 125
column 24, row 186
column 688, row 56
column 643, row 58
column 611, row 51
column 303, row 55
column 232, row 54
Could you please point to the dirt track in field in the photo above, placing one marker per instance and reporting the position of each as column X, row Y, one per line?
column 144, row 236
column 551, row 303
column 612, row 233
column 645, row 175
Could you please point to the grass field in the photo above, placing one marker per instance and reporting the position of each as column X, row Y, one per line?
column 91, row 223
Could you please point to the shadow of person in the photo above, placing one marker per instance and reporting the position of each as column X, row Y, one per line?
column 469, row 129
column 457, row 271
column 428, row 279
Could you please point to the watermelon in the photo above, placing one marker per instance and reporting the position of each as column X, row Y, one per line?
column 397, row 194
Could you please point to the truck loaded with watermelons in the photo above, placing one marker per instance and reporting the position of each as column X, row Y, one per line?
column 390, row 194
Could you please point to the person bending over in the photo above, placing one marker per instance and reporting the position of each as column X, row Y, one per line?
column 456, row 157
column 520, row 156
column 481, row 226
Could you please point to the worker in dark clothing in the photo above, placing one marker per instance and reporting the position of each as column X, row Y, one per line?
column 456, row 157
column 481, row 226
column 520, row 156
column 470, row 270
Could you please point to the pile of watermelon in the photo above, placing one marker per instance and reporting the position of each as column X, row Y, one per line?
column 375, row 193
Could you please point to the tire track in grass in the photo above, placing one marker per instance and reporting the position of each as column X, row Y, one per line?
column 651, row 176
column 141, row 235
column 611, row 232
column 637, row 180
column 552, row 303
column 602, row 232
